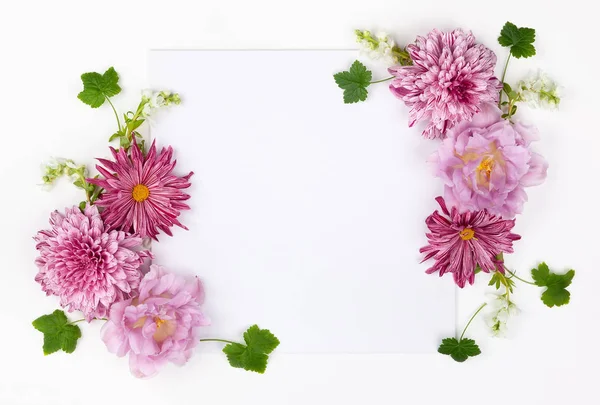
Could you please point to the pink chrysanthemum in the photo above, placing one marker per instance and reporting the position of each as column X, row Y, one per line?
column 87, row 266
column 141, row 195
column 160, row 325
column 449, row 79
column 459, row 242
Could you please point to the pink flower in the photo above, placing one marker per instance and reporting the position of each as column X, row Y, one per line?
column 85, row 265
column 141, row 195
column 449, row 79
column 158, row 326
column 460, row 242
column 486, row 164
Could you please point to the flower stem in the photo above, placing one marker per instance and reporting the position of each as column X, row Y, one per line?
column 520, row 279
column 382, row 80
column 115, row 111
column 502, row 80
column 471, row 320
column 77, row 321
column 83, row 319
column 217, row 340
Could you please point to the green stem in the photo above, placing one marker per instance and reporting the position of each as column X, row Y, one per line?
column 520, row 279
column 217, row 340
column 115, row 111
column 382, row 80
column 502, row 80
column 77, row 321
column 471, row 320
column 83, row 319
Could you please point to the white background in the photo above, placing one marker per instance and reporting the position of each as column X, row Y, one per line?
column 301, row 200
column 551, row 356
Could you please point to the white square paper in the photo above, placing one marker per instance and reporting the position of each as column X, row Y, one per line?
column 307, row 214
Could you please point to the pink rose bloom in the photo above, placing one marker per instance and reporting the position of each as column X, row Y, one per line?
column 450, row 78
column 86, row 265
column 160, row 325
column 486, row 163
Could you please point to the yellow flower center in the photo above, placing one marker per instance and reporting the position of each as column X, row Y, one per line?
column 467, row 234
column 164, row 329
column 140, row 193
column 486, row 166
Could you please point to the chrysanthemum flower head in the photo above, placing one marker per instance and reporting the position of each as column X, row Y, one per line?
column 141, row 194
column 450, row 78
column 459, row 242
column 86, row 265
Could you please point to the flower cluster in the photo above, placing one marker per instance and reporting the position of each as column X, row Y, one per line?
column 95, row 256
column 59, row 167
column 381, row 47
column 154, row 100
column 539, row 91
column 485, row 157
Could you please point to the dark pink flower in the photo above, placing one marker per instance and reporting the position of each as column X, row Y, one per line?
column 86, row 265
column 458, row 242
column 141, row 195
column 450, row 77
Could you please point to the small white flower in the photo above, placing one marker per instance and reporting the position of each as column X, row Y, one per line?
column 147, row 94
column 379, row 48
column 501, row 310
column 147, row 110
column 540, row 91
column 157, row 100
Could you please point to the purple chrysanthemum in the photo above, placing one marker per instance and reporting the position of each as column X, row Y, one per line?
column 160, row 325
column 85, row 265
column 141, row 195
column 449, row 79
column 460, row 242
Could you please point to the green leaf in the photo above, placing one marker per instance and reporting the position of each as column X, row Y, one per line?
column 261, row 340
column 254, row 355
column 58, row 333
column 134, row 124
column 114, row 136
column 520, row 40
column 459, row 350
column 97, row 87
column 498, row 280
column 556, row 293
column 354, row 82
column 506, row 87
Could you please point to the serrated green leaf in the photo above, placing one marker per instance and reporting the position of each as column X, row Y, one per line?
column 234, row 352
column 459, row 350
column 556, row 293
column 58, row 333
column 260, row 340
column 97, row 87
column 255, row 354
column 520, row 40
column 354, row 82
column 241, row 356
